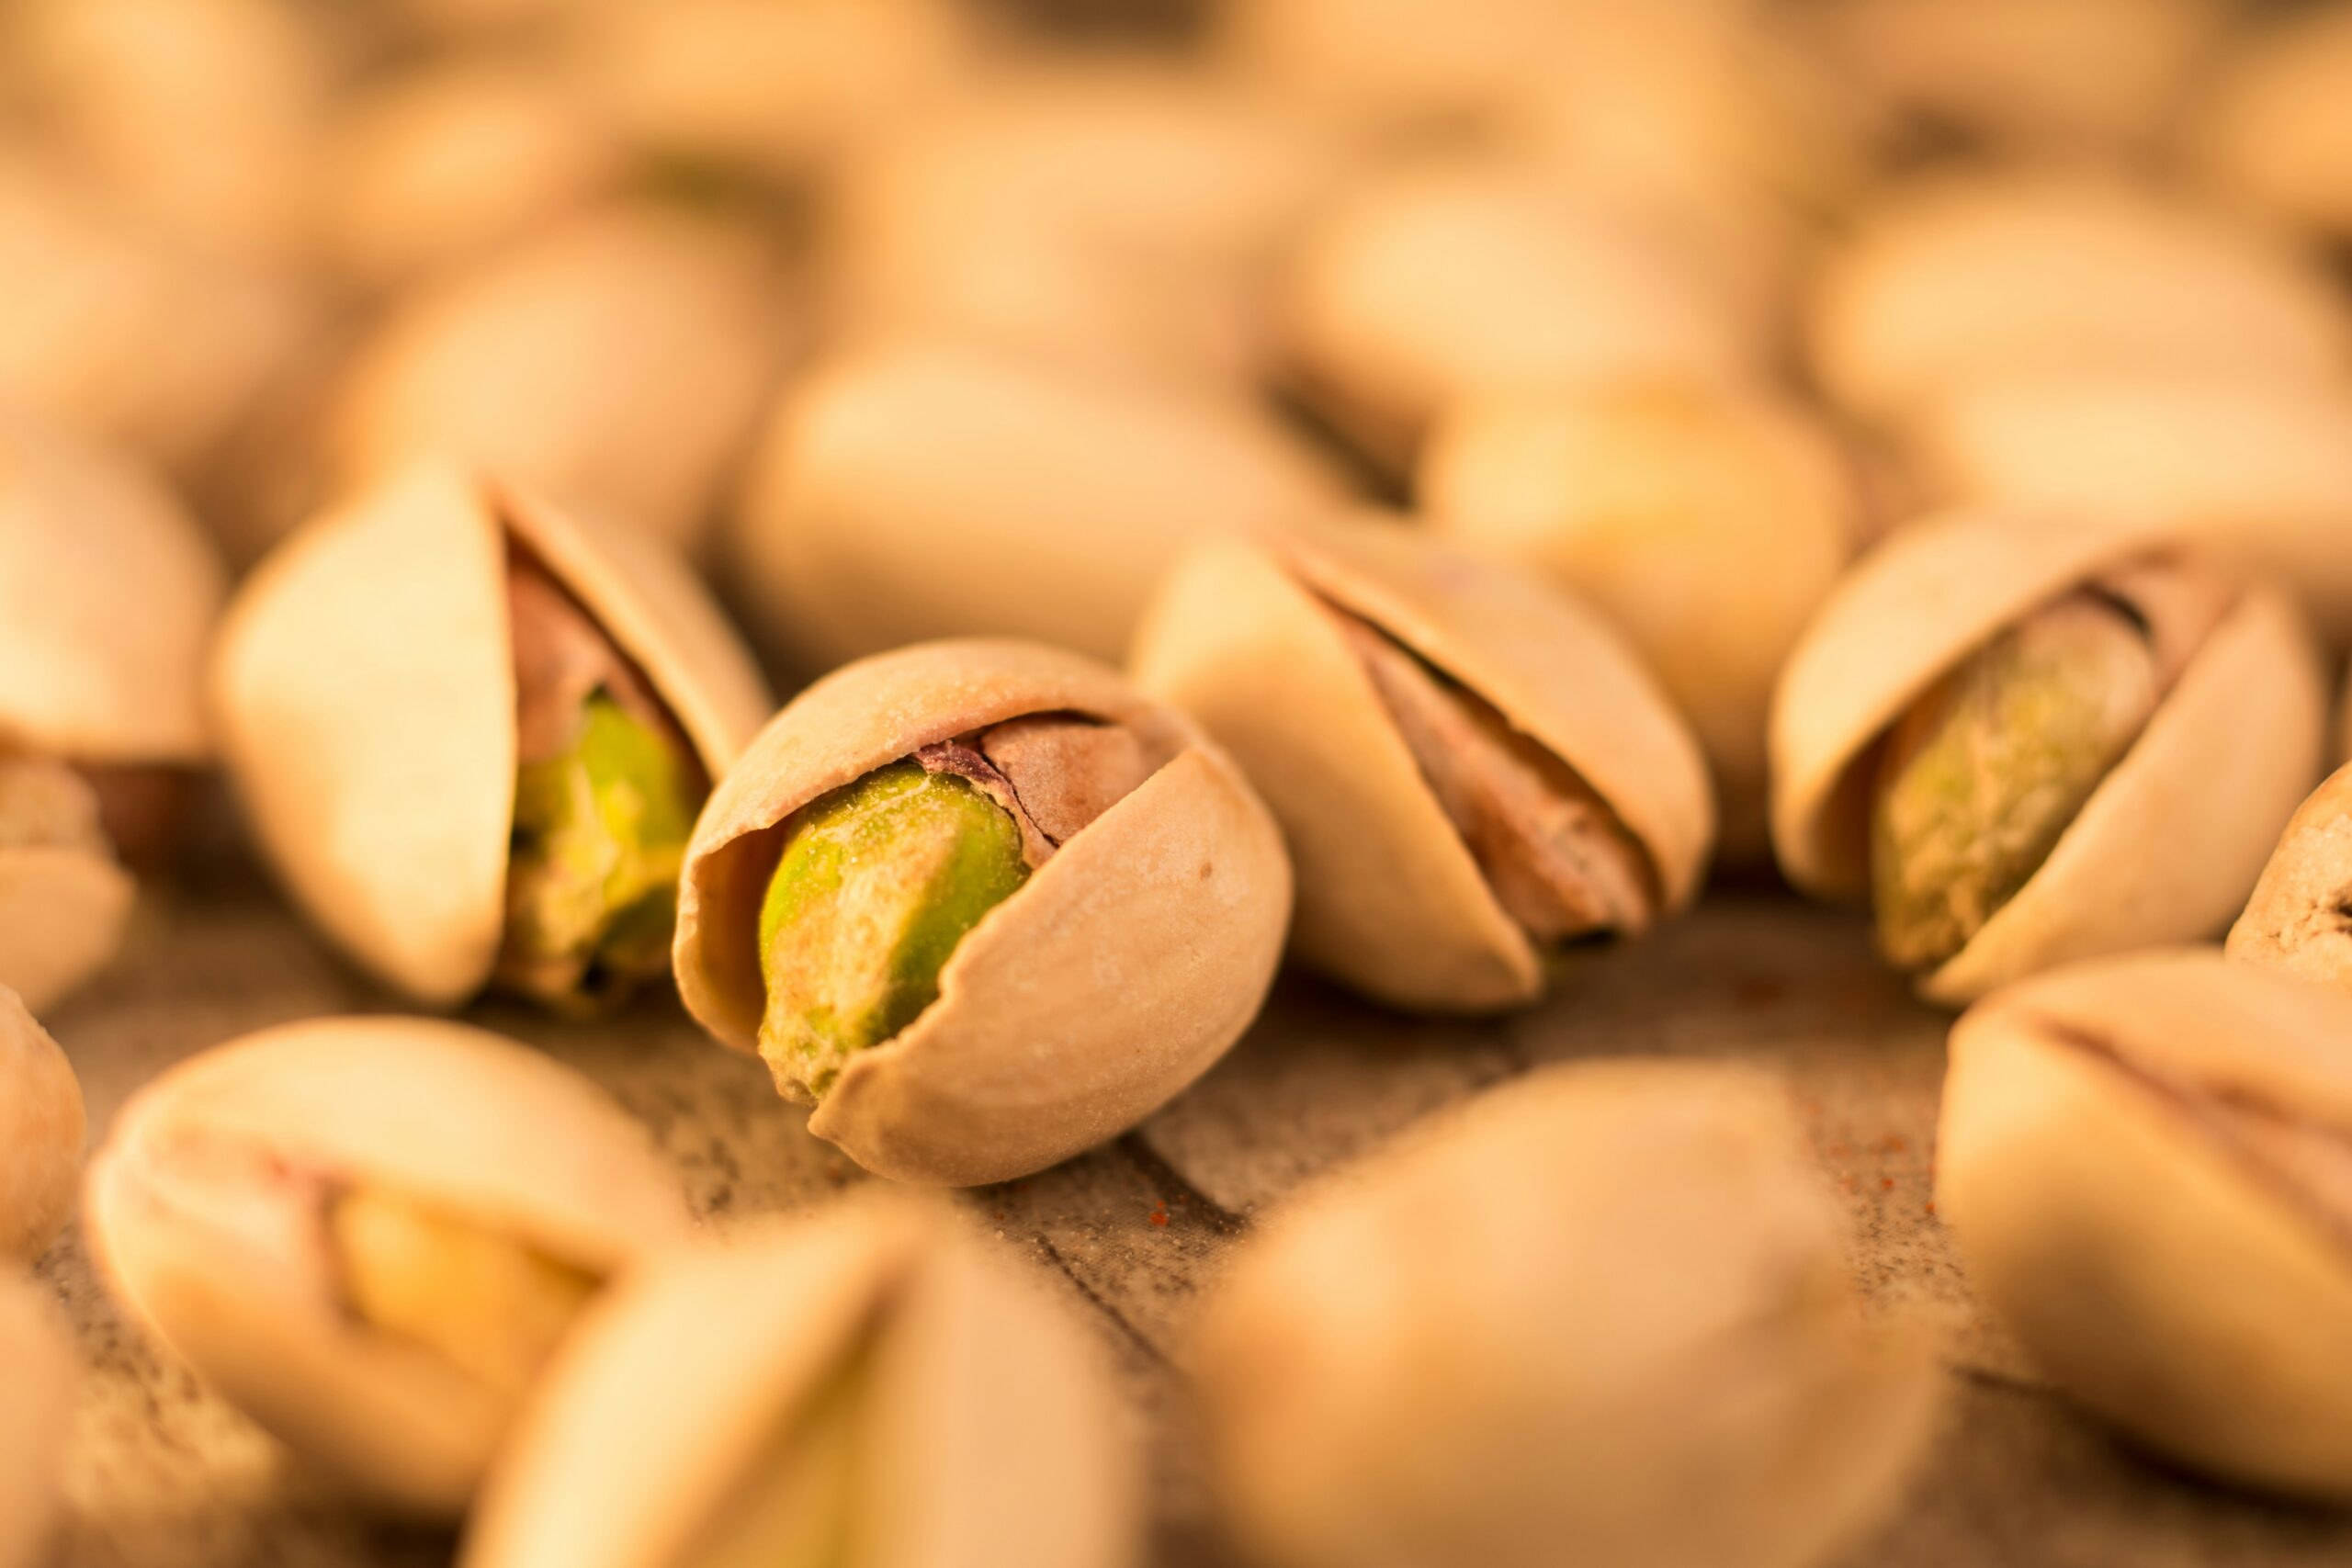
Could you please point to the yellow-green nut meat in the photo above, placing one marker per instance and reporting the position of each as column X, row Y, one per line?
column 1608, row 1306
column 472, row 733
column 108, row 593
column 1472, row 771
column 371, row 1234
column 867, row 1388
column 983, row 906
column 2142, row 1160
column 2025, row 743
column 41, row 1372
column 41, row 1127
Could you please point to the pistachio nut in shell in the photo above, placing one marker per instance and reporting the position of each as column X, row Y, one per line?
column 1470, row 768
column 1706, row 521
column 619, row 359
column 866, row 1386
column 2299, row 920
column 369, row 1234
column 1994, row 718
column 2142, row 1159
column 913, row 491
column 1954, row 277
column 471, row 731
column 2255, row 468
column 961, row 1002
column 1608, row 1305
column 2266, row 131
column 41, row 1133
column 40, row 1370
column 1441, row 279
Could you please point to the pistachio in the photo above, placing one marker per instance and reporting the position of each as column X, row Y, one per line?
column 2145, row 1162
column 372, row 1234
column 64, row 899
column 1608, row 1305
column 518, row 711
column 944, row 896
column 921, row 1402
column 1472, row 771
column 2028, row 743
column 39, row 1369
column 41, row 1133
column 2267, row 132
column 906, row 492
column 2299, row 920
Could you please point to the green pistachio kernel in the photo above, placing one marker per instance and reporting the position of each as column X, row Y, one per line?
column 1982, row 776
column 877, row 882
column 600, row 834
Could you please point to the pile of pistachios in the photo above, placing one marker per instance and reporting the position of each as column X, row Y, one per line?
column 1411, row 491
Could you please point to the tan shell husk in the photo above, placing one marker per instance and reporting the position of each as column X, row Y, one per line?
column 1002, row 1441
column 619, row 360
column 40, row 1371
column 1390, row 900
column 2161, row 1279
column 1440, row 281
column 2256, row 470
column 461, row 1120
column 363, row 689
column 921, row 492
column 1608, row 1305
column 2271, row 131
column 2215, row 775
column 1117, row 974
column 42, row 1130
column 108, row 593
column 64, row 912
column 2296, row 920
column 1706, row 523
column 1961, row 276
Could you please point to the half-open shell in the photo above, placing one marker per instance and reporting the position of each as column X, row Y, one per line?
column 1117, row 974
column 364, row 686
column 40, row 1132
column 2141, row 1158
column 989, row 1435
column 1390, row 898
column 40, row 1370
column 471, row 1125
column 2211, row 779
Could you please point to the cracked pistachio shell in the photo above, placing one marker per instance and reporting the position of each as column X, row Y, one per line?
column 41, row 1134
column 1609, row 1304
column 194, row 1218
column 2140, row 1159
column 2252, row 469
column 2213, row 776
column 1956, row 277
column 1706, row 523
column 913, row 491
column 989, row 1435
column 620, row 359
column 2270, row 130
column 1446, row 278
column 1118, row 973
column 363, row 689
column 1390, row 899
column 40, row 1370
column 2300, row 918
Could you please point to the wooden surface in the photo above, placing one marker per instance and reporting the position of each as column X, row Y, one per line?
column 161, row 1475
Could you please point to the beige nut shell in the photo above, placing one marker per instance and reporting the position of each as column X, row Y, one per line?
column 2215, row 775
column 1390, row 900
column 108, row 592
column 1000, row 1441
column 1960, row 276
column 41, row 1134
column 364, row 687
column 2294, row 921
column 64, row 912
column 1608, row 1305
column 918, row 492
column 1117, row 975
column 2163, row 1280
column 449, row 1116
column 2254, row 469
column 40, row 1370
